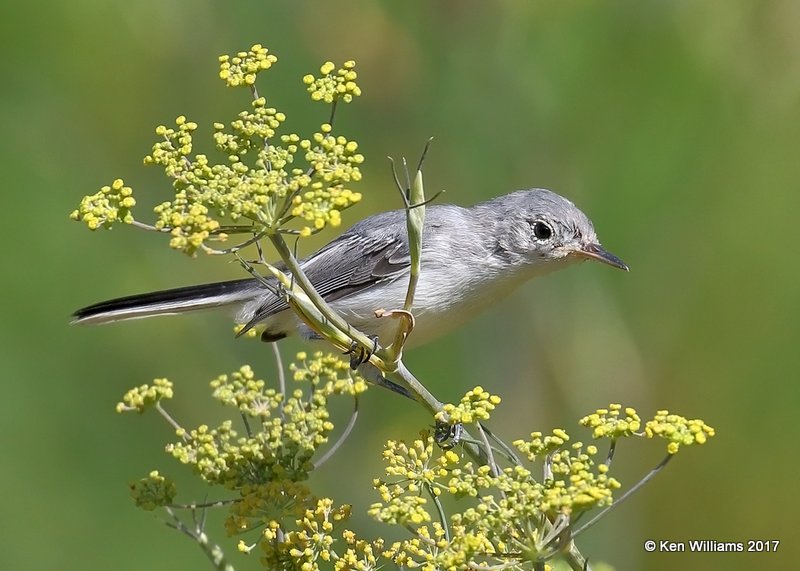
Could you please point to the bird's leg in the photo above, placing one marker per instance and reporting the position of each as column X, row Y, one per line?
column 360, row 356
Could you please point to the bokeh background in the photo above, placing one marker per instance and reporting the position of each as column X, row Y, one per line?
column 674, row 125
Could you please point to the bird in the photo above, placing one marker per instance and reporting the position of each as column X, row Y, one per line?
column 472, row 257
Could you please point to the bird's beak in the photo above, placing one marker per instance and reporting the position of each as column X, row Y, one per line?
column 596, row 252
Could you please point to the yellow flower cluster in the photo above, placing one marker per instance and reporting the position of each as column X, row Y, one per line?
column 609, row 422
column 109, row 205
column 251, row 130
column 312, row 543
column 188, row 223
column 243, row 68
column 505, row 520
column 327, row 373
column 421, row 550
column 282, row 448
column 579, row 482
column 242, row 390
column 400, row 509
column 187, row 217
column 300, row 532
column 144, row 396
column 334, row 158
column 335, row 84
column 475, row 405
column 415, row 469
column 469, row 480
column 539, row 445
column 258, row 186
column 506, row 517
column 173, row 152
column 322, row 206
column 360, row 555
column 334, row 166
column 678, row 430
column 314, row 537
column 416, row 465
column 153, row 492
column 238, row 190
column 267, row 505
column 290, row 427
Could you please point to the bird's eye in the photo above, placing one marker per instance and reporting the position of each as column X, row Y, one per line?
column 542, row 230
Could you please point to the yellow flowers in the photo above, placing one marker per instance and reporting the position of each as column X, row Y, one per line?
column 327, row 374
column 242, row 390
column 475, row 405
column 242, row 69
column 538, row 445
column 188, row 223
column 250, row 130
column 265, row 462
column 260, row 185
column 507, row 514
column 322, row 206
column 504, row 519
column 610, row 422
column 144, row 396
column 104, row 208
column 678, row 430
column 333, row 86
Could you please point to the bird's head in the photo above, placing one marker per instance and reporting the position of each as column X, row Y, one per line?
column 542, row 226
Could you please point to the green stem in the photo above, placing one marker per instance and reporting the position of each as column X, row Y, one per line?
column 440, row 510
column 649, row 476
column 316, row 299
column 575, row 560
column 347, row 430
column 213, row 552
column 489, row 456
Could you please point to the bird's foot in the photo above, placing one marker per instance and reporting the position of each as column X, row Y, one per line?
column 359, row 355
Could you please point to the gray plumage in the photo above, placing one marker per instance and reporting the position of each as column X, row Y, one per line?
column 471, row 258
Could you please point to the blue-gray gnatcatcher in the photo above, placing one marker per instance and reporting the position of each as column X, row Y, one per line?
column 471, row 258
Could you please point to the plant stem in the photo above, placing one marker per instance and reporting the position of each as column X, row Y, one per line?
column 649, row 476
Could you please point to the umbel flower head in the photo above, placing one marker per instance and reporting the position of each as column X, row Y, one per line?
column 243, row 68
column 678, row 430
column 506, row 516
column 265, row 181
column 495, row 516
column 334, row 84
column 266, row 463
column 110, row 205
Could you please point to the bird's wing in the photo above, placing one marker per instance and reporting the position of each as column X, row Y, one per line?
column 349, row 264
column 355, row 263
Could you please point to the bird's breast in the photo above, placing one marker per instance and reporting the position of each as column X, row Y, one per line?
column 445, row 299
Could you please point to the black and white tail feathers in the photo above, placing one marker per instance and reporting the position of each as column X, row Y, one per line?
column 170, row 301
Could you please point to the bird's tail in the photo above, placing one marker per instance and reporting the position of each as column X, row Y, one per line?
column 169, row 301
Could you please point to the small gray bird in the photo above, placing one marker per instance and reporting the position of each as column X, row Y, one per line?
column 471, row 258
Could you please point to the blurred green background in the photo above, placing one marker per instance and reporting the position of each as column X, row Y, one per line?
column 674, row 125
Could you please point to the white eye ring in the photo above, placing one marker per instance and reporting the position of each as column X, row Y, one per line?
column 542, row 230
